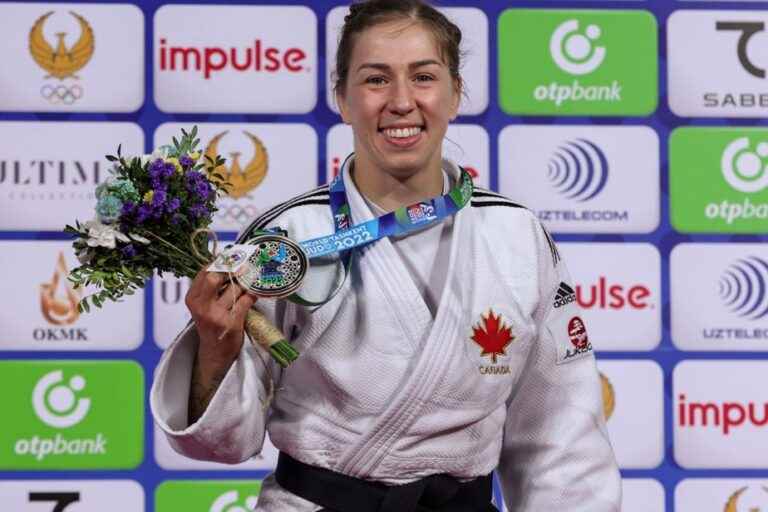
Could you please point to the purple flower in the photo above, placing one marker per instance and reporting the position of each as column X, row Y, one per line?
column 186, row 162
column 198, row 210
column 158, row 198
column 128, row 208
column 143, row 213
column 169, row 170
column 129, row 251
column 173, row 205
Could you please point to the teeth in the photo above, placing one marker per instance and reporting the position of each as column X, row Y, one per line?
column 399, row 133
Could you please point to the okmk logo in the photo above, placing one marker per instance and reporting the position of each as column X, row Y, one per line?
column 574, row 52
column 230, row 502
column 746, row 30
column 578, row 170
column 743, row 288
column 61, row 62
column 719, row 180
column 61, row 500
column 732, row 505
column 57, row 404
column 743, row 168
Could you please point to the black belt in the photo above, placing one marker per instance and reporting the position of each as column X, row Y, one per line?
column 341, row 493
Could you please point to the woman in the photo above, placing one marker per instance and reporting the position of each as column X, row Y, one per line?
column 444, row 356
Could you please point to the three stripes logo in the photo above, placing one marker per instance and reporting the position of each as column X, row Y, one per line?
column 744, row 288
column 578, row 170
column 565, row 295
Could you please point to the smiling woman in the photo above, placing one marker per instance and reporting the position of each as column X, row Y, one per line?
column 446, row 353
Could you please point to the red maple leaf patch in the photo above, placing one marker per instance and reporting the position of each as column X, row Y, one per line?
column 493, row 336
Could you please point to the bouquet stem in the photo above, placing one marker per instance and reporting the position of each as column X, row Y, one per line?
column 261, row 331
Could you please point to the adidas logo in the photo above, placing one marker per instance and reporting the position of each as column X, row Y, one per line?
column 565, row 295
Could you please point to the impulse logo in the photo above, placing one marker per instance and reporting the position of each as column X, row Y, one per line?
column 725, row 416
column 743, row 289
column 256, row 58
column 603, row 295
column 579, row 171
column 577, row 54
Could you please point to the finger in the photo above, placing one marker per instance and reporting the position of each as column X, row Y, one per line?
column 241, row 307
column 230, row 293
column 210, row 284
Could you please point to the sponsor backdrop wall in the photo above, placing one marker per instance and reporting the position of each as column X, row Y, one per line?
column 634, row 129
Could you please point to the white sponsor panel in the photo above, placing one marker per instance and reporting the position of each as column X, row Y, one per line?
column 62, row 57
column 49, row 170
column 724, row 73
column 474, row 70
column 633, row 394
column 720, row 414
column 72, row 495
column 583, row 179
column 618, row 285
column 719, row 296
column 266, row 163
column 465, row 144
column 38, row 306
column 642, row 495
column 721, row 494
column 244, row 58
column 170, row 313
column 169, row 459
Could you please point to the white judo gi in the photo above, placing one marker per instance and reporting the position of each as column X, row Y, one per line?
column 502, row 376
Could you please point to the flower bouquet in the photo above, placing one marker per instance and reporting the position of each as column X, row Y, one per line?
column 149, row 213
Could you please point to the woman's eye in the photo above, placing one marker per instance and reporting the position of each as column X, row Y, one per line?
column 375, row 80
column 424, row 78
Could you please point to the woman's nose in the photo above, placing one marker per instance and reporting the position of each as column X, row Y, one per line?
column 402, row 100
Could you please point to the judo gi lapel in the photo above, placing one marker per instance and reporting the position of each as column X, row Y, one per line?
column 430, row 361
column 382, row 262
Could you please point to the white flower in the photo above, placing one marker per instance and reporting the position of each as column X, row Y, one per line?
column 138, row 238
column 103, row 235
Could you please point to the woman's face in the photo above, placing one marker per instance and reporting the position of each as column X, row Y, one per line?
column 399, row 98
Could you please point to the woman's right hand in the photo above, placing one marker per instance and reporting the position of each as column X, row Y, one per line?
column 218, row 307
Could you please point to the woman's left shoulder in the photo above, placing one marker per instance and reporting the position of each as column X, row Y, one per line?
column 493, row 207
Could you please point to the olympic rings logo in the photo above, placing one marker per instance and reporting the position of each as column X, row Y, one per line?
column 237, row 214
column 61, row 94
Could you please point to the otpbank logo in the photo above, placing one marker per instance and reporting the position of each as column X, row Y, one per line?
column 258, row 59
column 583, row 179
column 207, row 495
column 720, row 415
column 577, row 62
column 719, row 180
column 72, row 415
column 729, row 282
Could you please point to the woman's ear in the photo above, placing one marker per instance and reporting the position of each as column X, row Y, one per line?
column 342, row 104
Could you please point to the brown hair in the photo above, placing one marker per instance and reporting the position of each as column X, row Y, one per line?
column 369, row 13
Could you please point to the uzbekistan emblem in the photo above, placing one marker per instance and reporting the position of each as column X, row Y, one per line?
column 61, row 62
column 492, row 335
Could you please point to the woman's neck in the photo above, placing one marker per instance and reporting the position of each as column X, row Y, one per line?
column 391, row 192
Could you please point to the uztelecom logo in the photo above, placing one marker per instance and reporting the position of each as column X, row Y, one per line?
column 577, row 62
column 72, row 415
column 207, row 495
column 583, row 179
column 719, row 180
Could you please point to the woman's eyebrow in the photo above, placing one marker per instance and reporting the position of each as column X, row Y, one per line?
column 386, row 67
